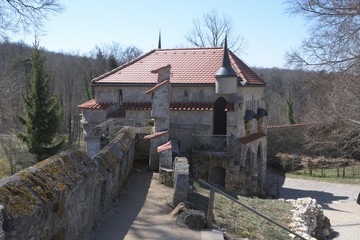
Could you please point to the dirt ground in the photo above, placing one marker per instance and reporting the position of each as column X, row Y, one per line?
column 141, row 211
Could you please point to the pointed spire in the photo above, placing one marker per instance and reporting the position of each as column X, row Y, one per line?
column 225, row 70
column 159, row 44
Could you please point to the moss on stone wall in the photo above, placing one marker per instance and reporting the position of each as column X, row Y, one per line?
column 39, row 184
column 107, row 159
column 37, row 198
column 18, row 200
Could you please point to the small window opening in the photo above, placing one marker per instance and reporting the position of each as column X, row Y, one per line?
column 121, row 101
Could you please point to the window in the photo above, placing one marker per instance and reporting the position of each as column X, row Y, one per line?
column 186, row 95
column 248, row 127
column 201, row 96
column 121, row 102
column 260, row 124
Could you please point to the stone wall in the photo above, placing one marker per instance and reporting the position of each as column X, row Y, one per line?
column 61, row 197
column 308, row 219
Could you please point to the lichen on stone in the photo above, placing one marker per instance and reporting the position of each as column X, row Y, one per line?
column 39, row 184
column 108, row 159
column 18, row 200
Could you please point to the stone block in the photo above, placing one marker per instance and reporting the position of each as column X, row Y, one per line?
column 166, row 176
column 154, row 156
column 92, row 145
column 165, row 159
column 181, row 180
column 195, row 219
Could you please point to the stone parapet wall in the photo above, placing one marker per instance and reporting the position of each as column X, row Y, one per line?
column 61, row 197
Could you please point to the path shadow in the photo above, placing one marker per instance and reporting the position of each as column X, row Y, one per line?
column 323, row 198
column 117, row 220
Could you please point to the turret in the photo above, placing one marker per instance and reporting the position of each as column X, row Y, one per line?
column 226, row 78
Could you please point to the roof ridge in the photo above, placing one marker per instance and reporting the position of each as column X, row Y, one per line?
column 193, row 48
column 122, row 66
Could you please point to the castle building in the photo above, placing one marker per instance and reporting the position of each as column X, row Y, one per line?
column 205, row 99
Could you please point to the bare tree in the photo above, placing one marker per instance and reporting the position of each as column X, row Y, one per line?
column 15, row 153
column 25, row 14
column 334, row 34
column 334, row 95
column 211, row 30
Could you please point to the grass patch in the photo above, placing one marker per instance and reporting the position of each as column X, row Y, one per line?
column 352, row 175
column 239, row 221
column 5, row 170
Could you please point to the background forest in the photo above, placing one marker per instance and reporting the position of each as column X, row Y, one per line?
column 70, row 78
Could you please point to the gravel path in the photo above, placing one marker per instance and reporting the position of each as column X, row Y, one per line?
column 338, row 201
column 141, row 211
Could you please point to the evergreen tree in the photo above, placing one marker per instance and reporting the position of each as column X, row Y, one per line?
column 42, row 111
column 289, row 110
column 111, row 62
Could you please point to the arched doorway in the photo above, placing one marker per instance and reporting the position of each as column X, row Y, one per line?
column 217, row 176
column 220, row 116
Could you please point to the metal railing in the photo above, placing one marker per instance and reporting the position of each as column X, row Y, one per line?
column 211, row 207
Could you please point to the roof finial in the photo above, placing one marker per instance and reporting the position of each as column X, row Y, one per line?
column 159, row 44
column 225, row 69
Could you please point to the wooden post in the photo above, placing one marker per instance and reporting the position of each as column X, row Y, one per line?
column 210, row 208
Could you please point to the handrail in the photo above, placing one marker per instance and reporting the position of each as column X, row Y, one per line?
column 211, row 202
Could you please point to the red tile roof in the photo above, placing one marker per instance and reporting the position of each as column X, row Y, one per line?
column 191, row 106
column 251, row 138
column 164, row 147
column 188, row 66
column 154, row 135
column 137, row 106
column 93, row 105
column 156, row 86
column 174, row 106
column 198, row 106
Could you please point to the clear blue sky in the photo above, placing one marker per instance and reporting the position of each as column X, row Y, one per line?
column 269, row 31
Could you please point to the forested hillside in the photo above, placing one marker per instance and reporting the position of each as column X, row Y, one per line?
column 71, row 75
column 279, row 83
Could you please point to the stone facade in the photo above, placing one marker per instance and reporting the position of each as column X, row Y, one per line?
column 61, row 197
column 229, row 102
